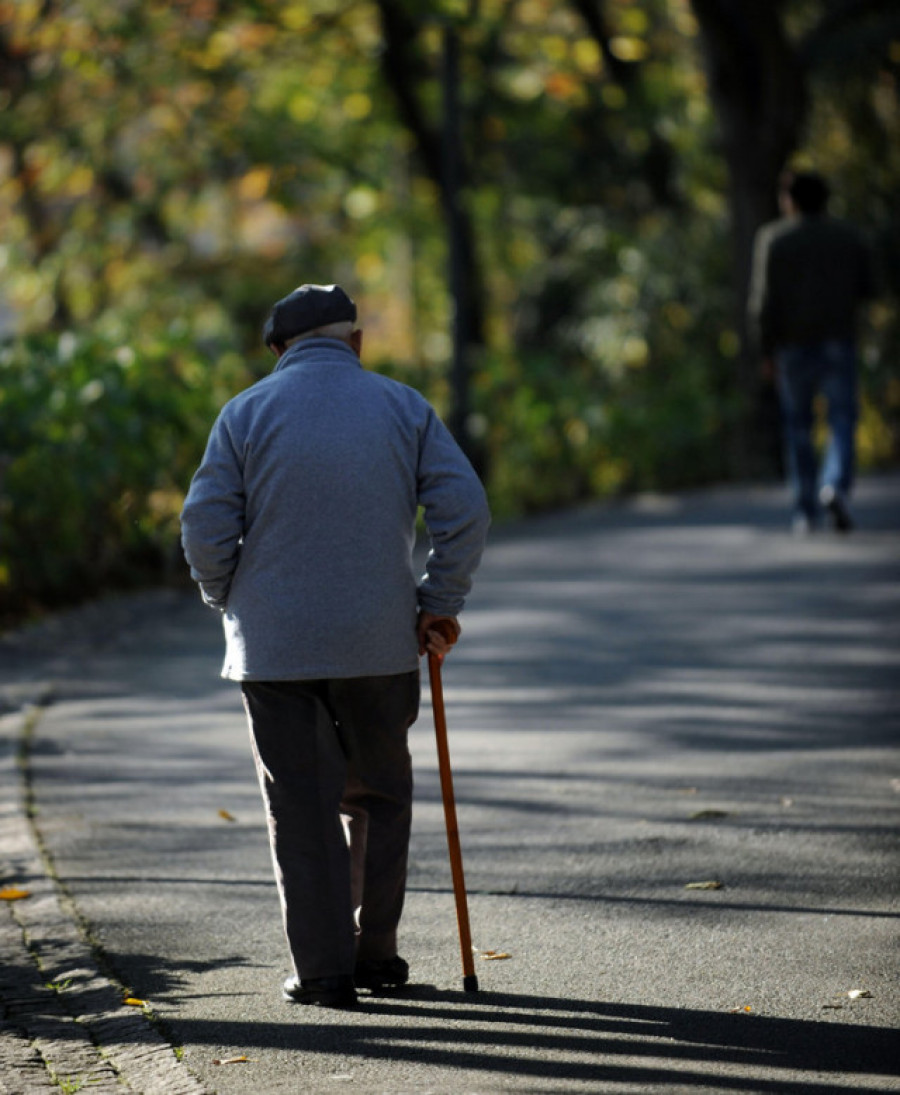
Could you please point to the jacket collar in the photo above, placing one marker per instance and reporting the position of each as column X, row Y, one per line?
column 313, row 349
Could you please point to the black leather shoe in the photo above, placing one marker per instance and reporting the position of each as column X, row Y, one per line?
column 373, row 973
column 836, row 505
column 323, row 992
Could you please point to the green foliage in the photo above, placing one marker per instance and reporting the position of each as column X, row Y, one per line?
column 98, row 443
column 69, row 1085
column 168, row 170
column 631, row 387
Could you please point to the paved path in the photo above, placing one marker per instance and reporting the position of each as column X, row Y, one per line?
column 647, row 697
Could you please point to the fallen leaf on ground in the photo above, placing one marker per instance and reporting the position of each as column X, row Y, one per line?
column 702, row 815
column 134, row 1002
column 859, row 994
column 225, row 816
column 13, row 893
column 737, row 1011
column 231, row 1060
column 711, row 885
column 494, row 956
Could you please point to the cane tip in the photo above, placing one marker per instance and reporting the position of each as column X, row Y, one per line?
column 470, row 983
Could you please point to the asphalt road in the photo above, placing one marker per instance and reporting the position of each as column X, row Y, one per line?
column 646, row 697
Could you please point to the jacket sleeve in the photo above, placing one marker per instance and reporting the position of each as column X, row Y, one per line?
column 760, row 304
column 456, row 516
column 212, row 520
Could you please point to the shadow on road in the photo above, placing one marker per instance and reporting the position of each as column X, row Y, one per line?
column 560, row 1039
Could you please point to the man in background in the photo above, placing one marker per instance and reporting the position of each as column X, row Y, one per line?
column 811, row 274
column 299, row 528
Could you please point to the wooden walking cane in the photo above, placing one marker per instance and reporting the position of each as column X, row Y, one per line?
column 470, row 980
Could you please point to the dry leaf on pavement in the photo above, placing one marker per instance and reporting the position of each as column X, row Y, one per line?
column 13, row 893
column 711, row 885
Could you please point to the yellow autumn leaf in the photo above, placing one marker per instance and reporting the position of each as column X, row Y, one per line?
column 628, row 49
column 134, row 1002
column 225, row 816
column 494, row 956
column 13, row 893
column 231, row 1060
column 255, row 184
column 711, row 885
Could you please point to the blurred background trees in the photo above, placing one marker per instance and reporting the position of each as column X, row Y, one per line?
column 593, row 172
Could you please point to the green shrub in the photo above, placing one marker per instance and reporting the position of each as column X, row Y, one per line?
column 97, row 445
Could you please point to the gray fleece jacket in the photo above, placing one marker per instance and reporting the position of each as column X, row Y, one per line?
column 299, row 524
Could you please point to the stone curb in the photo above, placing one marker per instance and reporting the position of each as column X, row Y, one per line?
column 62, row 1019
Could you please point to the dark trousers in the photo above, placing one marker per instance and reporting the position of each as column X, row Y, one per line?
column 336, row 777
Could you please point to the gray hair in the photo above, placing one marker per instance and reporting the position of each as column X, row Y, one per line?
column 342, row 330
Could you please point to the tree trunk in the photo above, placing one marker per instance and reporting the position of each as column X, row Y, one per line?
column 442, row 156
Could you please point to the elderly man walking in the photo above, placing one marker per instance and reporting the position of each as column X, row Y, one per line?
column 299, row 527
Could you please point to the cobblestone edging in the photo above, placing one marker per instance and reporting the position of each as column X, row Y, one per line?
column 63, row 1023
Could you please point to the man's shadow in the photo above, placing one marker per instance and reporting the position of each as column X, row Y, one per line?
column 540, row 1038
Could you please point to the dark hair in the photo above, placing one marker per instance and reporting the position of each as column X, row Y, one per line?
column 808, row 191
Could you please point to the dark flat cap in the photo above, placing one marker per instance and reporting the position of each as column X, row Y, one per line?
column 308, row 307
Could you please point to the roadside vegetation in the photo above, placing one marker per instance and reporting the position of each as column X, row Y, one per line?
column 168, row 170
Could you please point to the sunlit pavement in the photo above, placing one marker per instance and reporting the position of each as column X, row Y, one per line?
column 674, row 736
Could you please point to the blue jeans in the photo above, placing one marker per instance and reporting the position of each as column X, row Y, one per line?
column 803, row 372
